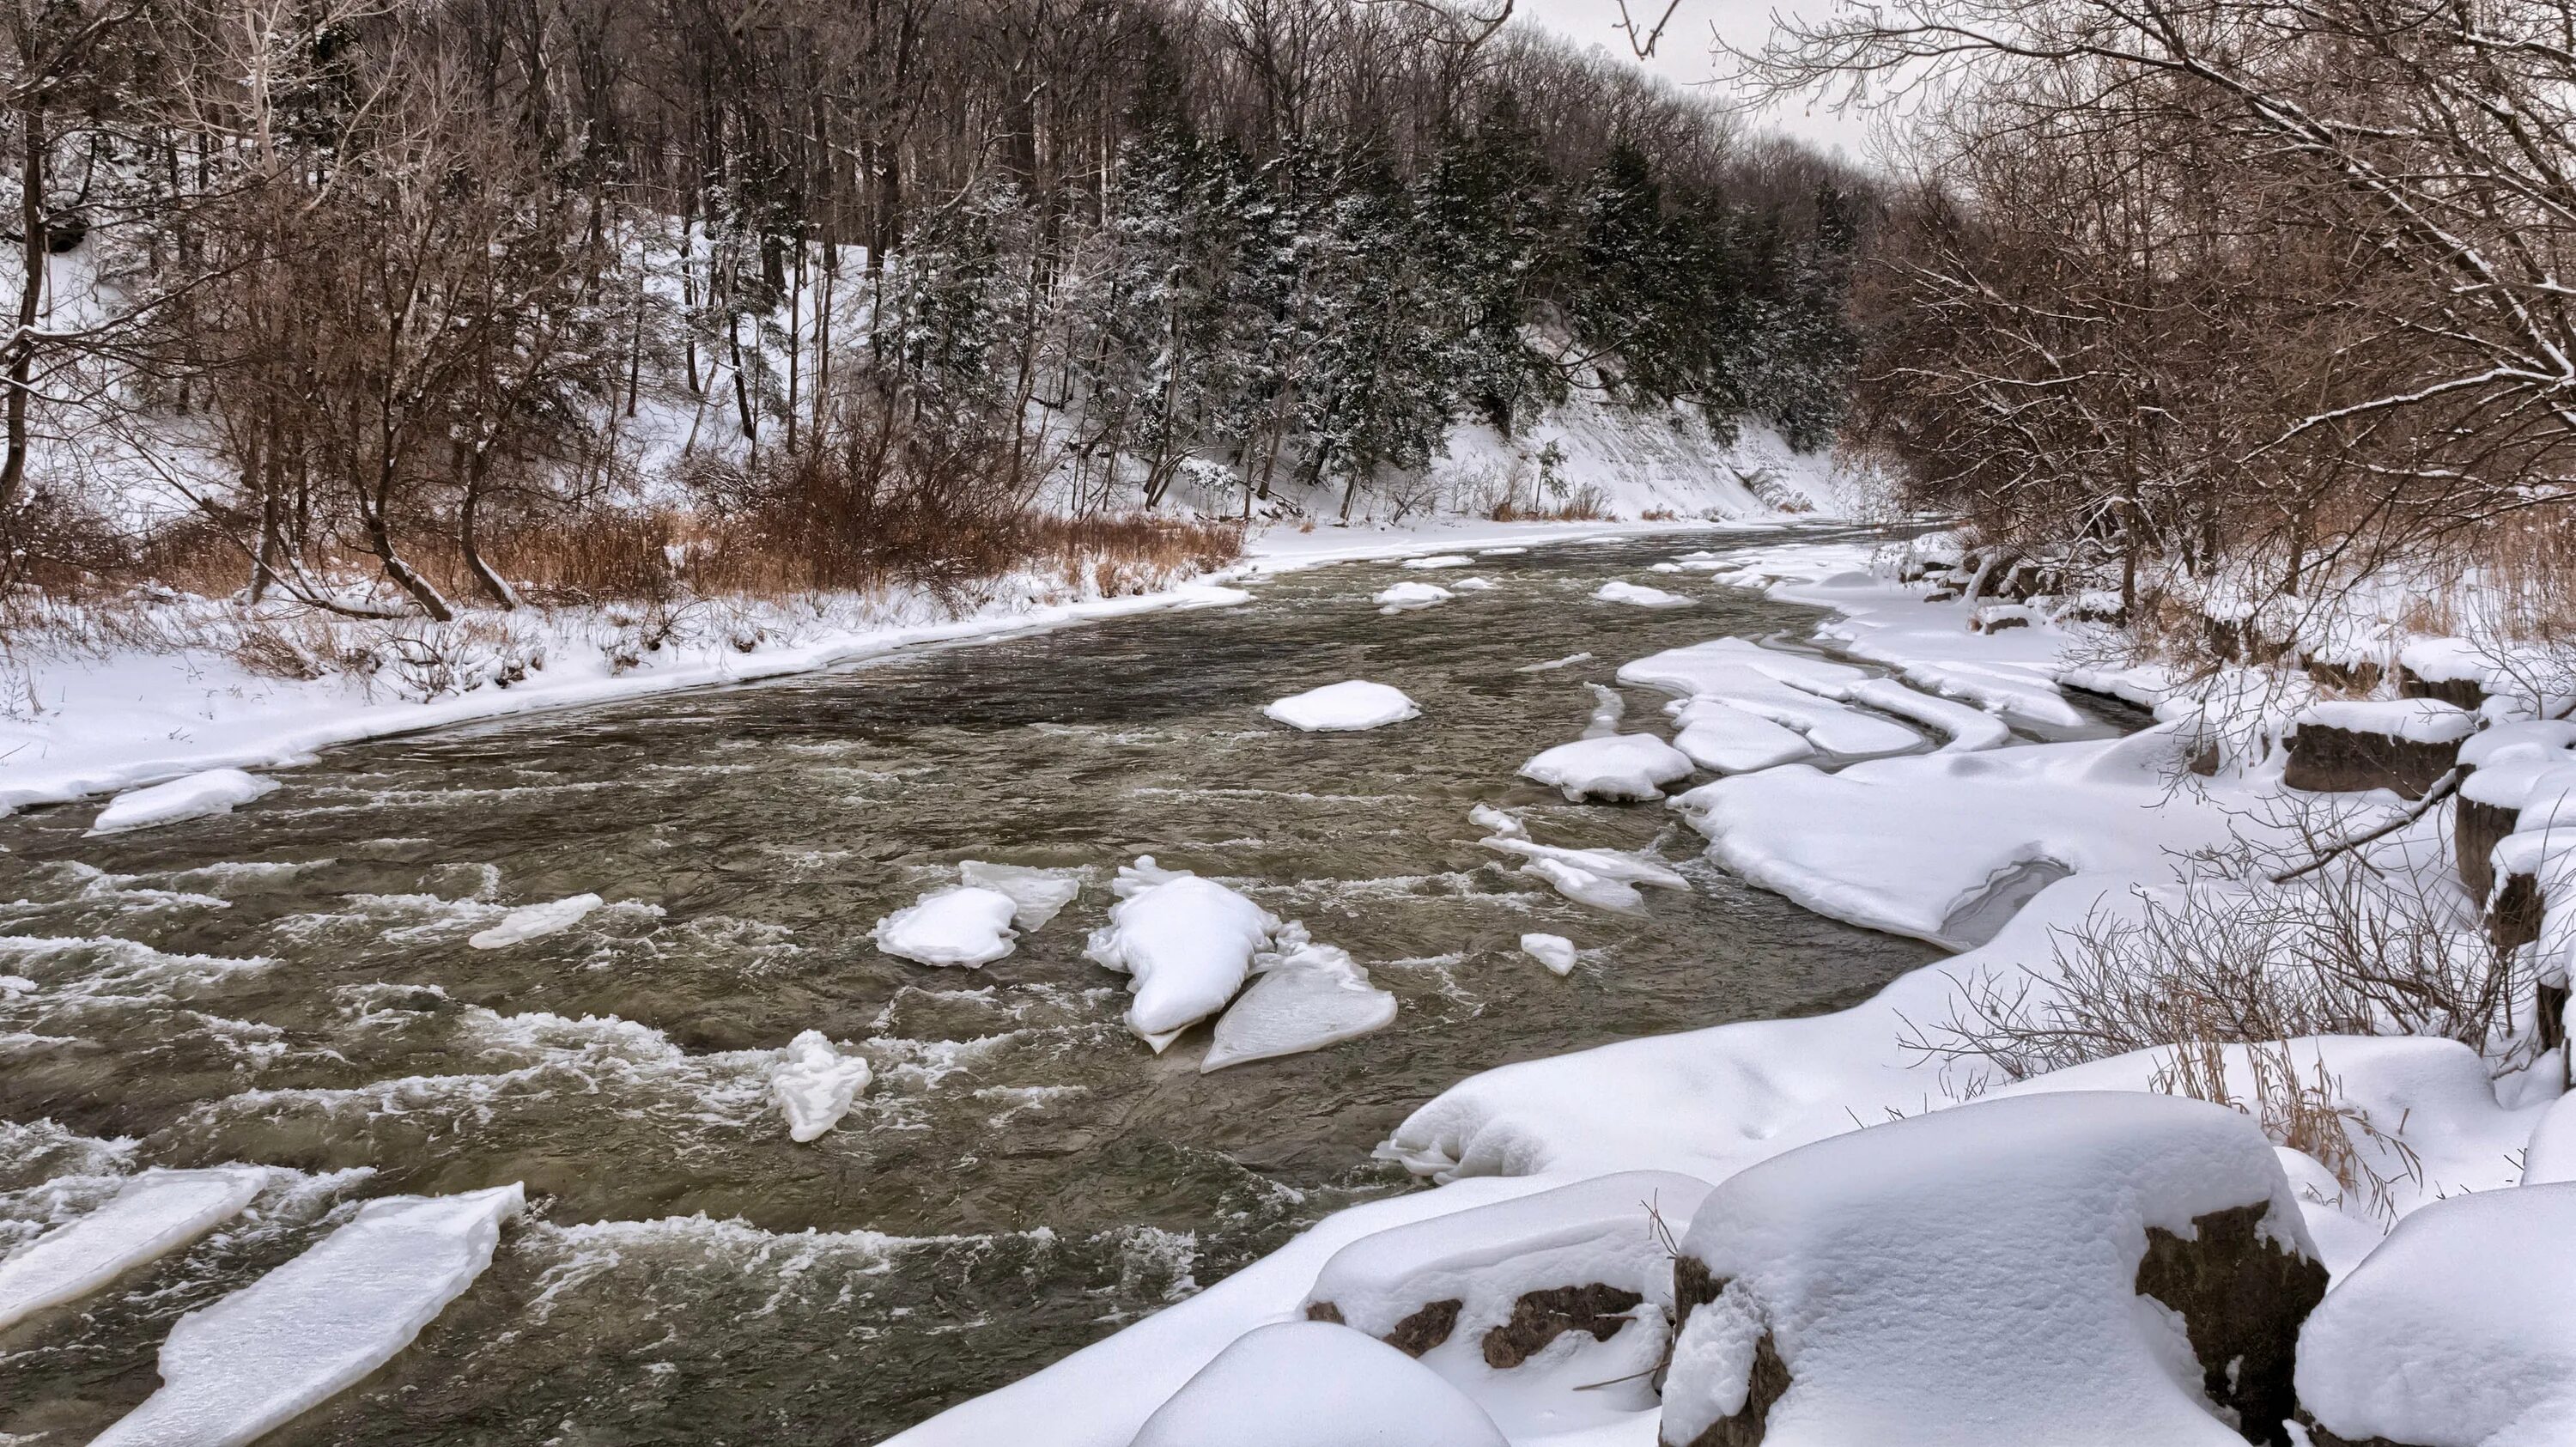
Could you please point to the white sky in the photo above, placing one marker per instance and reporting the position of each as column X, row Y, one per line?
column 1686, row 54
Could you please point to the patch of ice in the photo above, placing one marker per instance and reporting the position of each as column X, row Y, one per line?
column 1314, row 1384
column 1473, row 585
column 319, row 1324
column 1037, row 895
column 1407, row 597
column 1628, row 767
column 815, row 1083
column 1185, row 943
column 1486, row 816
column 1568, row 661
column 1308, row 996
column 1513, row 551
column 1725, row 738
column 1638, row 595
column 1554, row 951
column 964, row 925
column 1607, row 863
column 1585, row 887
column 1440, row 560
column 1350, row 705
column 215, row 791
column 156, row 1213
column 533, row 921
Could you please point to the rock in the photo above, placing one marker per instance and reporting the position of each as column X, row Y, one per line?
column 2476, row 829
column 2464, row 693
column 2402, row 745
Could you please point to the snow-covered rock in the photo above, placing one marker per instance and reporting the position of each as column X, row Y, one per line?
column 1641, row 596
column 964, row 925
column 1037, row 895
column 1554, row 951
column 215, row 791
column 1307, row 996
column 1185, row 943
column 1406, row 597
column 1351, row 704
column 318, row 1324
column 2027, row 1271
column 535, row 921
column 2459, row 1331
column 815, row 1083
column 2402, row 744
column 1313, row 1384
column 1628, row 767
column 156, row 1213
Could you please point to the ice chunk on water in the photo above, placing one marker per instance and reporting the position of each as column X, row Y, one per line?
column 1616, row 591
column 1352, row 704
column 319, row 1324
column 1568, row 661
column 1315, row 1384
column 1585, row 887
column 965, row 924
column 1486, row 816
column 1309, row 996
column 1723, row 737
column 157, row 1212
column 1440, row 560
column 215, row 791
column 1607, row 863
column 534, row 920
column 814, row 1085
column 1473, row 585
column 1554, row 951
column 1619, row 766
column 1037, row 894
column 1405, row 597
column 1187, row 943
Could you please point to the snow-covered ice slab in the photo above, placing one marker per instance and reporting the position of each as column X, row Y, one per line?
column 156, row 1213
column 1440, row 560
column 1313, row 1384
column 1554, row 951
column 1037, row 895
column 1585, row 887
column 1308, row 996
column 1407, row 597
column 1975, row 1276
column 215, row 791
column 1626, row 767
column 1186, row 944
column 1725, row 738
column 1797, row 693
column 1348, row 705
column 318, row 1324
column 1473, row 585
column 1607, row 863
column 964, row 925
column 1638, row 595
column 815, row 1083
column 535, row 921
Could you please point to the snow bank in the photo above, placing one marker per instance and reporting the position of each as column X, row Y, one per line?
column 535, row 921
column 1037, row 895
column 1407, row 597
column 215, row 791
column 814, row 1084
column 1640, row 596
column 1308, row 996
column 1185, row 943
column 963, row 925
column 1625, row 767
column 1973, row 1276
column 1554, row 951
column 2460, row 1329
column 156, row 1213
column 319, row 1324
column 1352, row 704
column 1312, row 1384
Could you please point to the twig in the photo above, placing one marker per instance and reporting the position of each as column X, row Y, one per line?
column 2442, row 789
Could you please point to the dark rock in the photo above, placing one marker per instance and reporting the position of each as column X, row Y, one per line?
column 1428, row 1326
column 2242, row 1299
column 64, row 232
column 2476, row 829
column 2353, row 678
column 1768, row 1384
column 1540, row 1317
column 1945, row 595
column 2464, row 692
column 2333, row 761
column 2320, row 1437
column 1325, row 1311
column 2514, row 912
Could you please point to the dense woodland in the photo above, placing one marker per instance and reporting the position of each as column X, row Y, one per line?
column 395, row 295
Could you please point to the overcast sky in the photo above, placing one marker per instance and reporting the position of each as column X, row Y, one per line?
column 1686, row 56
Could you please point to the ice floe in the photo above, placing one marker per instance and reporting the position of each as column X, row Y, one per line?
column 1185, row 943
column 1568, row 661
column 1554, row 951
column 1350, row 705
column 155, row 1213
column 1038, row 895
column 963, row 925
column 1639, row 595
column 318, row 1324
column 1625, row 767
column 1725, row 738
column 815, row 1083
column 215, row 791
column 1440, row 560
column 534, row 921
column 1307, row 996
column 1406, row 597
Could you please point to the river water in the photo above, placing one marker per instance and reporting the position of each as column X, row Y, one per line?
column 291, row 986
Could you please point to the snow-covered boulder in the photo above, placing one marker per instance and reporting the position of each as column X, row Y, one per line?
column 535, row 921
column 1407, row 597
column 2106, row 1268
column 2402, row 744
column 215, row 791
column 1349, row 705
column 815, row 1083
column 1640, row 596
column 319, row 1324
column 2458, row 1331
column 1186, row 944
column 967, row 925
column 1625, row 767
column 1572, row 1284
column 1313, row 1384
column 1307, row 996
column 156, row 1213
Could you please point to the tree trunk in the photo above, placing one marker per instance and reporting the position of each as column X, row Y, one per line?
column 497, row 588
column 31, row 296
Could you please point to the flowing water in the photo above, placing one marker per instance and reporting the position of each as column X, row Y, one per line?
column 291, row 985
